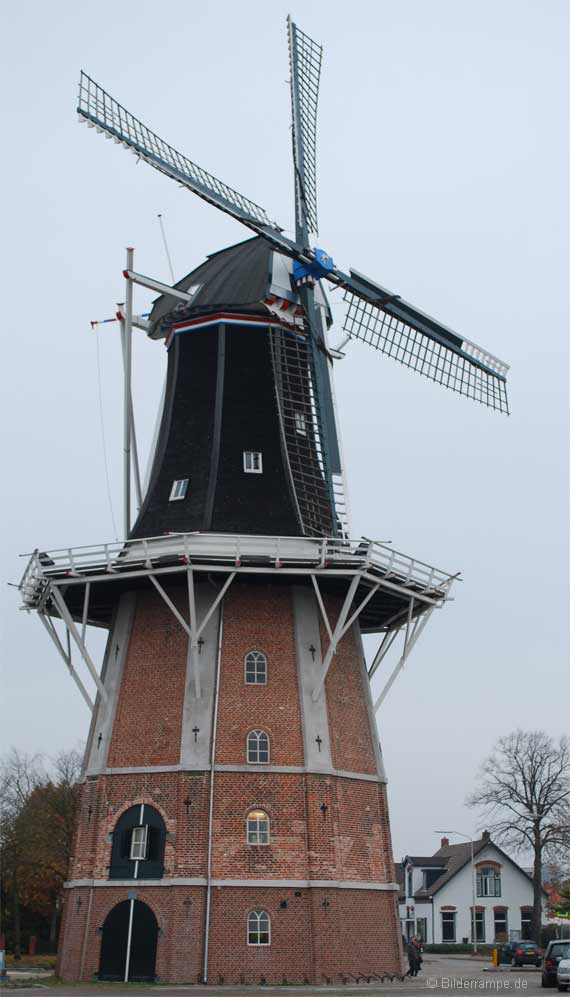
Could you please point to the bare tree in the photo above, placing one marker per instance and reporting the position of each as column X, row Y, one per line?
column 524, row 790
column 20, row 776
column 37, row 817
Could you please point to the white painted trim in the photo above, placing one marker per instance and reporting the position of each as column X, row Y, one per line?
column 249, row 883
column 279, row 769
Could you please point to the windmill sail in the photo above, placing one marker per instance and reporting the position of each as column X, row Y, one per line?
column 103, row 112
column 401, row 331
column 305, row 58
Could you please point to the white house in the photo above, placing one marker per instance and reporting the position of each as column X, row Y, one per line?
column 436, row 894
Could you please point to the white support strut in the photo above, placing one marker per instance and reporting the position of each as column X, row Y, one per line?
column 193, row 649
column 193, row 629
column 408, row 646
column 67, row 619
column 54, row 636
column 337, row 634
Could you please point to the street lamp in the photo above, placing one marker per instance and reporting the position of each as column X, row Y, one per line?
column 473, row 921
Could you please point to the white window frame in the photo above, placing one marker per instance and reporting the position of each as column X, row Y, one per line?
column 139, row 843
column 258, row 735
column 480, row 931
column 488, row 881
column 503, row 915
column 300, row 423
column 257, row 825
column 451, row 918
column 255, row 658
column 258, row 915
column 250, row 458
column 179, row 489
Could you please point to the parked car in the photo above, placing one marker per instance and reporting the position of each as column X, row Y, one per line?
column 563, row 972
column 520, row 954
column 555, row 951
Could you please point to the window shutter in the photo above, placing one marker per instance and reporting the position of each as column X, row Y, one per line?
column 153, row 844
column 125, row 850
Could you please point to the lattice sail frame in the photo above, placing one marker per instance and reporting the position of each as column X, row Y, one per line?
column 305, row 60
column 103, row 112
column 297, row 400
column 458, row 369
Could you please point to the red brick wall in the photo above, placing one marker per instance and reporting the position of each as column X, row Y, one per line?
column 318, row 934
column 352, row 748
column 259, row 619
column 356, row 931
column 148, row 721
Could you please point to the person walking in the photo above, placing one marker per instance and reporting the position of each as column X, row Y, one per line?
column 414, row 957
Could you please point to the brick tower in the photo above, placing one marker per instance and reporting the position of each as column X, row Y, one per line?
column 233, row 822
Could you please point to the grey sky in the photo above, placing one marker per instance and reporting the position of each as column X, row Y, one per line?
column 443, row 174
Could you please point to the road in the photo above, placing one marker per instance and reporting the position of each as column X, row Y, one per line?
column 452, row 976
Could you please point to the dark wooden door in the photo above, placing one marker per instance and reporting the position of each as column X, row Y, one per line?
column 144, row 936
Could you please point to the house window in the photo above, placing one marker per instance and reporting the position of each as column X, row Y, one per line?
column 253, row 462
column 501, row 926
column 138, row 843
column 526, row 923
column 430, row 876
column 258, row 928
column 179, row 489
column 301, row 423
column 479, row 926
column 488, row 882
column 421, row 928
column 257, row 828
column 257, row 747
column 255, row 668
column 409, row 877
column 448, row 925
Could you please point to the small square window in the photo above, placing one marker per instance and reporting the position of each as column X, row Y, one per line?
column 253, row 462
column 138, row 843
column 301, row 423
column 179, row 489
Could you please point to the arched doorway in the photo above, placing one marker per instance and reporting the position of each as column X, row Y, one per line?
column 128, row 947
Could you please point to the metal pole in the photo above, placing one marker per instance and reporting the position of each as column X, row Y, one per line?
column 211, row 809
column 136, row 467
column 129, row 939
column 127, row 398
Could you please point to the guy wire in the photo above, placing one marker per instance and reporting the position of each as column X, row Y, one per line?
column 166, row 247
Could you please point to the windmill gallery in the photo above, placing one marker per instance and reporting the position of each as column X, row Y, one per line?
column 233, row 822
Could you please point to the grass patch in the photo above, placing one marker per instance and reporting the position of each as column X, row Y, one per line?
column 29, row 962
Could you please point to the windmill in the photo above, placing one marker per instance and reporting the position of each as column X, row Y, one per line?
column 233, row 751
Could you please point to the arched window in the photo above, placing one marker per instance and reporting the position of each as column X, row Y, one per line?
column 257, row 827
column 138, row 844
column 258, row 928
column 257, row 747
column 255, row 668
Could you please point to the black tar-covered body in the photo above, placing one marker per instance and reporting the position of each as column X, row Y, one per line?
column 241, row 421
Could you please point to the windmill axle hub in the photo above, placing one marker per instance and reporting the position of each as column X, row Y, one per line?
column 320, row 265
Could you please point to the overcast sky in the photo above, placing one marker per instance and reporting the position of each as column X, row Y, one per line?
column 442, row 174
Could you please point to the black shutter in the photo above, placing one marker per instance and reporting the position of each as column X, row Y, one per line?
column 154, row 842
column 125, row 847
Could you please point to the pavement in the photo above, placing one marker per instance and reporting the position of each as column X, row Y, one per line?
column 446, row 975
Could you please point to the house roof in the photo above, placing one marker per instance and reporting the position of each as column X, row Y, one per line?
column 454, row 858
